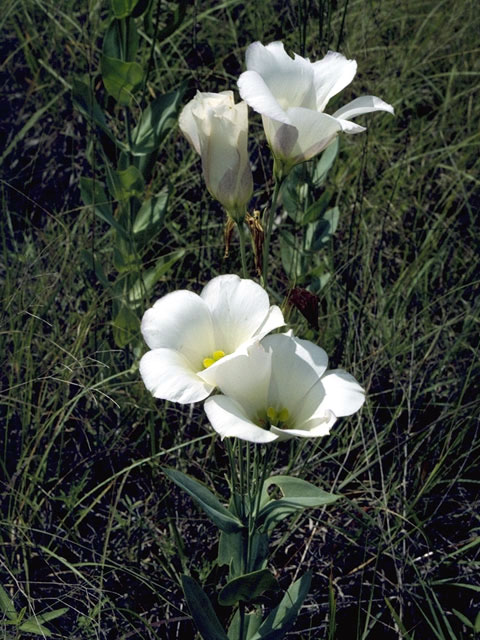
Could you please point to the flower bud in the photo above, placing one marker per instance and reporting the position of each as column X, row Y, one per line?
column 217, row 129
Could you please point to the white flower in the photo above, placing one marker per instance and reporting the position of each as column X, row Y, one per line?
column 192, row 337
column 280, row 389
column 217, row 129
column 291, row 95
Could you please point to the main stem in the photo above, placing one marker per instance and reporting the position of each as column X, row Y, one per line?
column 241, row 235
column 268, row 224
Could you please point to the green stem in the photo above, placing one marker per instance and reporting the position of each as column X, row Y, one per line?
column 268, row 224
column 241, row 234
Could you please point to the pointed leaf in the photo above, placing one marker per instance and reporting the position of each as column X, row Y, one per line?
column 126, row 183
column 85, row 102
column 156, row 121
column 94, row 195
column 152, row 213
column 142, row 287
column 251, row 623
column 323, row 165
column 126, row 327
column 282, row 618
column 6, row 604
column 113, row 41
column 247, row 587
column 123, row 8
column 320, row 233
column 120, row 78
column 202, row 611
column 32, row 626
column 317, row 209
column 50, row 615
column 298, row 494
column 206, row 500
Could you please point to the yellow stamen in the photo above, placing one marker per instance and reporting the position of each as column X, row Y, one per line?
column 271, row 414
column 207, row 362
column 283, row 415
column 218, row 354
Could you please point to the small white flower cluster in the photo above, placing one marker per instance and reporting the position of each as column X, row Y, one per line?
column 291, row 95
column 271, row 387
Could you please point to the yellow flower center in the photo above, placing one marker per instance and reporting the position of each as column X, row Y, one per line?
column 273, row 417
column 216, row 355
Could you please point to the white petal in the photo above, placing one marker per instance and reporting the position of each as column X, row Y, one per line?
column 344, row 395
column 229, row 419
column 350, row 127
column 332, row 74
column 188, row 126
column 365, row 104
column 238, row 308
column 297, row 365
column 310, row 132
column 256, row 93
column 181, row 321
column 273, row 320
column 168, row 375
column 245, row 378
column 289, row 80
column 312, row 429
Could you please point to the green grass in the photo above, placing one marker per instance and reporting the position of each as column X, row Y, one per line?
column 88, row 520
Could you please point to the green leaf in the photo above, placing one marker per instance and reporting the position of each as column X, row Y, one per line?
column 292, row 190
column 476, row 626
column 231, row 551
column 123, row 8
column 291, row 256
column 50, row 615
column 320, row 233
column 113, row 41
column 126, row 327
column 144, row 285
column 86, row 104
column 126, row 183
column 298, row 494
column 282, row 618
column 94, row 195
column 6, row 604
column 247, row 587
column 252, row 621
column 95, row 265
column 318, row 208
column 324, row 164
column 32, row 626
column 156, row 121
column 202, row 611
column 152, row 213
column 120, row 78
column 205, row 499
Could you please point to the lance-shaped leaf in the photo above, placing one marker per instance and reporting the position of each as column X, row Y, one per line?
column 282, row 618
column 126, row 183
column 121, row 78
column 123, row 8
column 298, row 494
column 205, row 499
column 118, row 45
column 85, row 102
column 247, row 587
column 323, row 165
column 202, row 611
column 144, row 284
column 94, row 194
column 152, row 213
column 156, row 121
column 251, row 622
